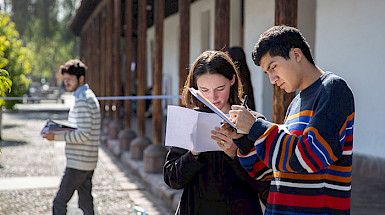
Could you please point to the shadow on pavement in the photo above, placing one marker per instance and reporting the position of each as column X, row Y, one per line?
column 10, row 126
column 12, row 143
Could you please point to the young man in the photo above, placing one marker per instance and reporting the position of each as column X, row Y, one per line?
column 310, row 156
column 82, row 144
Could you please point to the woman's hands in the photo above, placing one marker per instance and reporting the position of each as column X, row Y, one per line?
column 224, row 142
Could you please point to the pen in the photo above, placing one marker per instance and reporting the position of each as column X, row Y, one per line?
column 244, row 104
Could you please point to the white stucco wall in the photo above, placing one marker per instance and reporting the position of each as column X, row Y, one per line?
column 196, row 10
column 259, row 16
column 170, row 56
column 350, row 42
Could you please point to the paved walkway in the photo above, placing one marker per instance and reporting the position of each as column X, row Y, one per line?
column 31, row 169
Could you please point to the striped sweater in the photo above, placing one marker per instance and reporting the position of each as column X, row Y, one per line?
column 309, row 158
column 82, row 144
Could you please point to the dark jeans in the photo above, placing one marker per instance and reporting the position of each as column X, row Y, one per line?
column 79, row 180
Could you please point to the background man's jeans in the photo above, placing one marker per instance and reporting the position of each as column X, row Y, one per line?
column 79, row 180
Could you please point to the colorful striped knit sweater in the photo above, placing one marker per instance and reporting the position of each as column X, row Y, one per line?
column 82, row 144
column 309, row 158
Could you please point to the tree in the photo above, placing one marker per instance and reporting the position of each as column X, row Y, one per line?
column 45, row 33
column 5, row 84
column 16, row 59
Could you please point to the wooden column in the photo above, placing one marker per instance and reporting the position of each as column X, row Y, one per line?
column 90, row 75
column 96, row 57
column 141, row 66
column 222, row 25
column 154, row 155
column 285, row 14
column 109, row 54
column 82, row 46
column 102, row 60
column 158, row 66
column 117, row 54
column 184, row 41
column 129, row 59
column 127, row 135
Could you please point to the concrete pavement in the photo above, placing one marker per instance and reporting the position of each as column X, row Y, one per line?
column 31, row 169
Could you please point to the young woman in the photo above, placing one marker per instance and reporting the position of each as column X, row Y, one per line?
column 213, row 182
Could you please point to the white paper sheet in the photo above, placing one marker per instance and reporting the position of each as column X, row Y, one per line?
column 190, row 129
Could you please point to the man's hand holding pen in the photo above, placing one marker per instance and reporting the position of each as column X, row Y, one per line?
column 243, row 120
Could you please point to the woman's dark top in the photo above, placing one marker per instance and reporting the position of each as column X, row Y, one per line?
column 213, row 183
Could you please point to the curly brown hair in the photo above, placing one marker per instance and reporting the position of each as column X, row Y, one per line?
column 74, row 67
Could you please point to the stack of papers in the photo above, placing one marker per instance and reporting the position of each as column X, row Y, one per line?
column 55, row 127
column 190, row 129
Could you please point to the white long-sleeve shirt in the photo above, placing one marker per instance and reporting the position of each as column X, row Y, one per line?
column 82, row 144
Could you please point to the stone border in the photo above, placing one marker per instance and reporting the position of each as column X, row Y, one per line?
column 368, row 166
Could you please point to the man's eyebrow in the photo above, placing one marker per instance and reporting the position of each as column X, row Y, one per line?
column 268, row 65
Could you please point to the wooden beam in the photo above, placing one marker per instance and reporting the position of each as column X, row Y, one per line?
column 117, row 54
column 157, row 79
column 129, row 58
column 184, row 41
column 110, row 22
column 128, row 53
column 285, row 14
column 89, row 76
column 102, row 40
column 82, row 45
column 222, row 25
column 96, row 58
column 141, row 68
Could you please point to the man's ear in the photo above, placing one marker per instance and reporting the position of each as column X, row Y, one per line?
column 297, row 54
column 81, row 79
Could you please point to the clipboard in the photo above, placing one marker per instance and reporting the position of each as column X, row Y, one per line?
column 56, row 127
column 212, row 107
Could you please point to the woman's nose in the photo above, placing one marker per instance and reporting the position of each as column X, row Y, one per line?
column 212, row 96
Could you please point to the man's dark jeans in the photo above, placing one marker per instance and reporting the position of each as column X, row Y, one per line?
column 79, row 180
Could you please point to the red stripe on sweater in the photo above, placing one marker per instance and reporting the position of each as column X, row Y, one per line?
column 268, row 142
column 258, row 166
column 309, row 201
column 347, row 148
column 301, row 150
column 314, row 156
column 349, row 138
column 296, row 132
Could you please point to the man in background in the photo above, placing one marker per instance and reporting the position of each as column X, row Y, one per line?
column 82, row 144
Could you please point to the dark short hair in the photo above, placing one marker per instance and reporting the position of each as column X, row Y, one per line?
column 74, row 67
column 212, row 62
column 278, row 41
